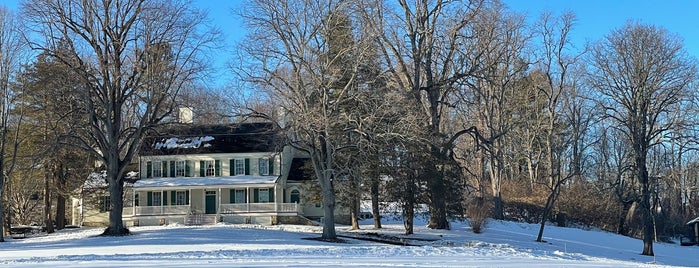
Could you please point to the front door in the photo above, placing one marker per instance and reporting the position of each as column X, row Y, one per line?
column 210, row 206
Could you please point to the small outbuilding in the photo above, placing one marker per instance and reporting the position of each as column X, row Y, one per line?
column 693, row 231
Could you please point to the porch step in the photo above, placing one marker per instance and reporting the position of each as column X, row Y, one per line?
column 201, row 219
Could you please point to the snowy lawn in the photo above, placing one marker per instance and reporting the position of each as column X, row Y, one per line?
column 502, row 244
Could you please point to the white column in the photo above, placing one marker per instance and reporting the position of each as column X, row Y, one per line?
column 133, row 201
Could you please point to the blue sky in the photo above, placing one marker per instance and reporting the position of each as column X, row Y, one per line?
column 595, row 19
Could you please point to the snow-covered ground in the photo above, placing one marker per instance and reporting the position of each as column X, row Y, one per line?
column 502, row 244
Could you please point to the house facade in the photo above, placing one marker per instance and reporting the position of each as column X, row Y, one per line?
column 238, row 173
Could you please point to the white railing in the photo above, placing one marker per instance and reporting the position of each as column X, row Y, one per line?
column 223, row 209
column 157, row 210
column 258, row 207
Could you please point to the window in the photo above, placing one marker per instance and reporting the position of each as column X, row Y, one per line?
column 263, row 196
column 135, row 201
column 157, row 199
column 106, row 203
column 209, row 168
column 264, row 166
column 157, row 169
column 295, row 196
column 181, row 198
column 240, row 196
column 239, row 167
column 180, row 169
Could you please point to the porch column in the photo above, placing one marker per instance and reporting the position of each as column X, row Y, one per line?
column 277, row 205
column 133, row 198
column 161, row 201
column 248, row 194
column 218, row 207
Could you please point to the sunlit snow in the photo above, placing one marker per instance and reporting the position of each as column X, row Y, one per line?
column 502, row 244
column 184, row 143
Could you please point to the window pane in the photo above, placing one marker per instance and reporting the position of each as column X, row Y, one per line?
column 264, row 166
column 209, row 168
column 157, row 198
column 106, row 203
column 179, row 169
column 263, row 196
column 157, row 169
column 181, row 197
column 240, row 167
column 240, row 196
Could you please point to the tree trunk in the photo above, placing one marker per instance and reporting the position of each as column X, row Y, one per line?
column 375, row 209
column 116, row 194
column 354, row 213
column 648, row 226
column 48, row 222
column 547, row 210
column 408, row 217
column 438, row 205
column 642, row 173
column 60, row 211
column 4, row 230
column 329, row 214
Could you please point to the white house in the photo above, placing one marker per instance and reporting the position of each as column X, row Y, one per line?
column 238, row 173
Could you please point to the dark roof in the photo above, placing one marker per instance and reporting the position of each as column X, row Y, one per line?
column 204, row 139
column 301, row 170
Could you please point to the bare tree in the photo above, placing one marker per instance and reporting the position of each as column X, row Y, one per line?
column 562, row 128
column 492, row 96
column 427, row 49
column 11, row 45
column 298, row 63
column 133, row 57
column 642, row 73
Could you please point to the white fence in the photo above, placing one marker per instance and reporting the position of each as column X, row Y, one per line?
column 223, row 209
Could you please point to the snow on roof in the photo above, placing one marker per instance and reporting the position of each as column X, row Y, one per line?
column 206, row 181
column 96, row 180
column 693, row 221
column 184, row 143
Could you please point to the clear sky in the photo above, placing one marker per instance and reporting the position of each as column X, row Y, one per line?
column 595, row 19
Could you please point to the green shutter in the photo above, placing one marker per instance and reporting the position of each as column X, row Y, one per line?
column 187, row 168
column 271, row 194
column 231, row 198
column 149, row 169
column 186, row 197
column 271, row 165
column 247, row 166
column 217, row 166
column 284, row 194
column 255, row 195
column 150, row 198
column 164, row 169
column 173, row 197
column 202, row 171
column 172, row 168
column 164, row 194
column 231, row 167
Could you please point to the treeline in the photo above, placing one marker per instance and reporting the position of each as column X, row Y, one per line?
column 469, row 108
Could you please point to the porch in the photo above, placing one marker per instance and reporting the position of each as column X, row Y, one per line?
column 285, row 209
column 206, row 200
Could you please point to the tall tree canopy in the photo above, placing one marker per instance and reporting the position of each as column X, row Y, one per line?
column 642, row 74
column 133, row 57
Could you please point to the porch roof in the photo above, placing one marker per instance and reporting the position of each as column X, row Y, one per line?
column 205, row 181
column 693, row 221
